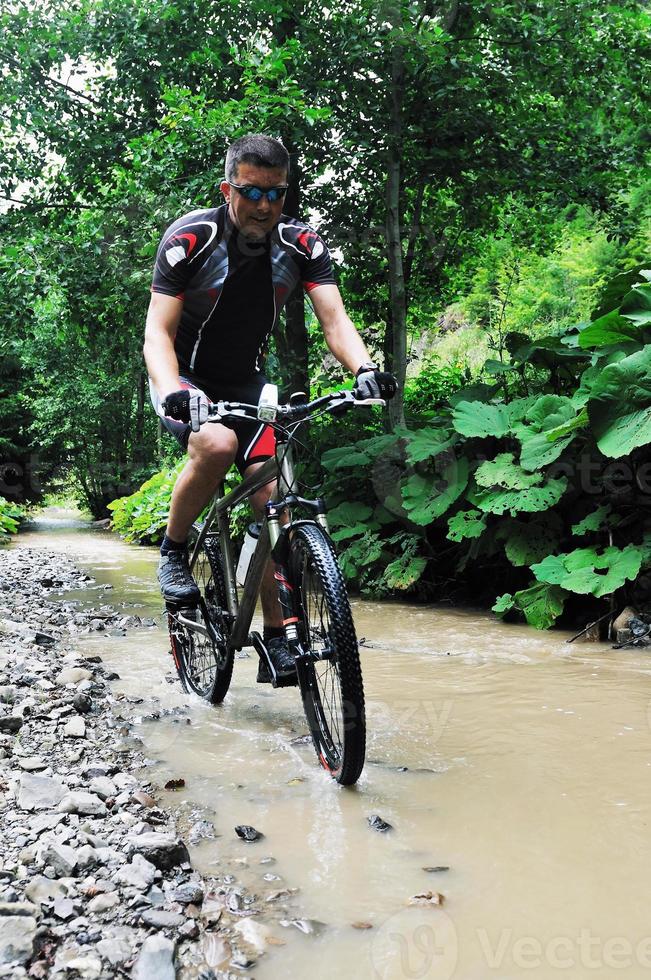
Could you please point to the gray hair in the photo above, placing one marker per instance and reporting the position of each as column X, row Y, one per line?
column 258, row 150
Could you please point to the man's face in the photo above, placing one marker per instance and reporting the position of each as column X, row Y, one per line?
column 255, row 219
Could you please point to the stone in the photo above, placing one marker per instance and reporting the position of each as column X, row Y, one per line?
column 75, row 728
column 377, row 823
column 103, row 787
column 624, row 618
column 160, row 919
column 256, row 934
column 163, row 850
column 17, row 935
column 82, row 703
column 248, row 833
column 102, row 903
column 10, row 724
column 62, row 858
column 39, row 792
column 32, row 763
column 72, row 675
column 114, row 950
column 18, row 908
column 44, row 891
column 64, row 908
column 86, row 804
column 190, row 893
column 139, row 874
column 155, row 959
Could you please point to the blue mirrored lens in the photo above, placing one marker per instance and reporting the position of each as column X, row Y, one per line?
column 251, row 193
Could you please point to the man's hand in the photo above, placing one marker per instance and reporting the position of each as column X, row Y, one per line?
column 370, row 382
column 187, row 405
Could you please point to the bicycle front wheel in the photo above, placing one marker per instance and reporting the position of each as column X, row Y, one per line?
column 205, row 665
column 333, row 696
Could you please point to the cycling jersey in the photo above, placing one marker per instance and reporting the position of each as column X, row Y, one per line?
column 233, row 288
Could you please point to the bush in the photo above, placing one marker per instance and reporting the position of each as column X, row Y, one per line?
column 11, row 516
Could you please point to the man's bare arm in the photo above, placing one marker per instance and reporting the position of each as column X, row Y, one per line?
column 162, row 322
column 338, row 329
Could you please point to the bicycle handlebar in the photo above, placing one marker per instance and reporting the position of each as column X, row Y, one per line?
column 342, row 400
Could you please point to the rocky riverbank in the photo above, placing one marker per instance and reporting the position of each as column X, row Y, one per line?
column 95, row 879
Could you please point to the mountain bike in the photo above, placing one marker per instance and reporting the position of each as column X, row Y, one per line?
column 315, row 608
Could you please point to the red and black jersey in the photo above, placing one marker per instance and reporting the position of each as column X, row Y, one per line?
column 232, row 288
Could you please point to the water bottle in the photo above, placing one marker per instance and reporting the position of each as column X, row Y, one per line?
column 248, row 547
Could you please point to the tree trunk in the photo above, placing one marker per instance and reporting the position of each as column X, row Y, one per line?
column 398, row 319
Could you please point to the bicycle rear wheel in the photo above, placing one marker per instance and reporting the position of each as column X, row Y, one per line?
column 333, row 697
column 204, row 664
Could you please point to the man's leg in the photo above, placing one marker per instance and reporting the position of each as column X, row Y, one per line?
column 210, row 454
column 272, row 617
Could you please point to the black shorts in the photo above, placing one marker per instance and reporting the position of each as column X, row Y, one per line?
column 256, row 441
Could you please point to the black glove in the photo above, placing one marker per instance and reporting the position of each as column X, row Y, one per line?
column 370, row 382
column 187, row 405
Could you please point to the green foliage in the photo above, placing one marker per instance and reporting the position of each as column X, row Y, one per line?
column 466, row 524
column 541, row 604
column 587, row 571
column 620, row 404
column 11, row 515
column 142, row 516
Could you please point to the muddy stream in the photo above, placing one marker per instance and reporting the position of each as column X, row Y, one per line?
column 519, row 762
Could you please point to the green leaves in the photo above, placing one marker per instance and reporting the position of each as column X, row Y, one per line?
column 427, row 497
column 547, row 429
column 541, row 604
column 528, row 541
column 587, row 571
column 620, row 404
column 530, row 500
column 476, row 419
column 504, row 472
column 466, row 524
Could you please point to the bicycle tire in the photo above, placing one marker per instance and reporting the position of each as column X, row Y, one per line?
column 205, row 667
column 333, row 698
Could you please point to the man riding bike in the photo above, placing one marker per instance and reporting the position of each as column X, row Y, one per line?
column 221, row 278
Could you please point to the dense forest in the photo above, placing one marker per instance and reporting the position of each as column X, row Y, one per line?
column 480, row 171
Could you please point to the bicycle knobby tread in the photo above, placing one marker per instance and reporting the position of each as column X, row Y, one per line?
column 323, row 557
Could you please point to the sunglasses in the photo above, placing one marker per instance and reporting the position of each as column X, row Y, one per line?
column 252, row 193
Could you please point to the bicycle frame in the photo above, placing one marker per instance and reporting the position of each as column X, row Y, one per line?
column 280, row 469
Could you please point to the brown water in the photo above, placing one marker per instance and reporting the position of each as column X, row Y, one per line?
column 528, row 767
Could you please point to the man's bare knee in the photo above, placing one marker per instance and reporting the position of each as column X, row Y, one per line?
column 261, row 496
column 213, row 448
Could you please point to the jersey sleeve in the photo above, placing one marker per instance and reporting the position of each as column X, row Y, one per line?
column 180, row 252
column 318, row 269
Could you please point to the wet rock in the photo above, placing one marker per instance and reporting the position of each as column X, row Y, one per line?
column 201, row 830
column 362, row 925
column 247, row 833
column 39, row 792
column 377, row 823
column 155, row 960
column 437, row 869
column 17, row 936
column 427, row 898
column 144, row 799
column 216, row 950
column 622, row 621
column 175, row 784
column 310, row 927
column 86, row 804
column 162, row 850
column 256, row 934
